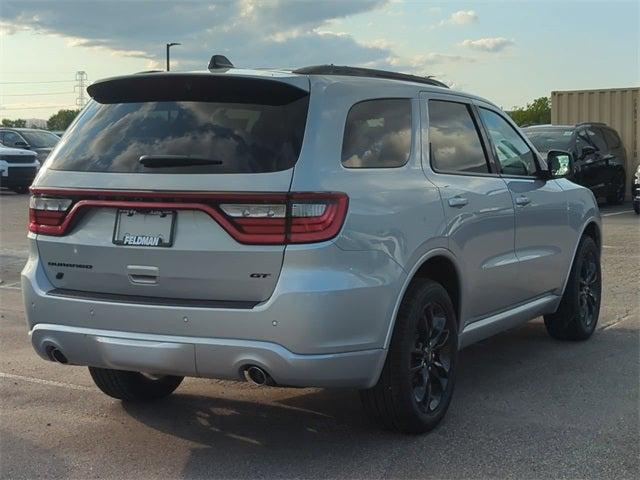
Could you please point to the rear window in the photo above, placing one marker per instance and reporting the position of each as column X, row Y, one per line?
column 613, row 141
column 377, row 134
column 221, row 125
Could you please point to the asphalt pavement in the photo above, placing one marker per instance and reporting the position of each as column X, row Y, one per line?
column 525, row 405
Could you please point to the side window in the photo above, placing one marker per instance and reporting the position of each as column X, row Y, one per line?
column 597, row 140
column 513, row 154
column 377, row 134
column 454, row 140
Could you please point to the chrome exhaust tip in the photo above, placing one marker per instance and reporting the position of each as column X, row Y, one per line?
column 57, row 356
column 257, row 376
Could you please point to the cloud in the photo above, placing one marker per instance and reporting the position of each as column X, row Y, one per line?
column 251, row 32
column 461, row 17
column 494, row 44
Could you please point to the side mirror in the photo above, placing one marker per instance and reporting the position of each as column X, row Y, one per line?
column 559, row 163
column 586, row 151
column 21, row 144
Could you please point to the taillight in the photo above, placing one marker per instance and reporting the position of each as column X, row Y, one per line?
column 300, row 218
column 253, row 218
column 47, row 214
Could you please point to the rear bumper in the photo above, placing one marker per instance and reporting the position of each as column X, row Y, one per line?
column 206, row 357
column 325, row 324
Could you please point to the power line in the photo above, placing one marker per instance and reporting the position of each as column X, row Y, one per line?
column 44, row 81
column 30, row 94
column 37, row 108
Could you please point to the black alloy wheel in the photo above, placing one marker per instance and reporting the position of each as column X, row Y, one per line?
column 431, row 358
column 589, row 290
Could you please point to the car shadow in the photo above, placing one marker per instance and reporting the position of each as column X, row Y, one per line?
column 309, row 432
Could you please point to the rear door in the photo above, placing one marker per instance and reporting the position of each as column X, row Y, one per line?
column 476, row 202
column 202, row 218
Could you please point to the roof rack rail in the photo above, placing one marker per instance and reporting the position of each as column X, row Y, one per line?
column 367, row 72
column 149, row 71
column 591, row 123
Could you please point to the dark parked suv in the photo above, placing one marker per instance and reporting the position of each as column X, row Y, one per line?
column 598, row 155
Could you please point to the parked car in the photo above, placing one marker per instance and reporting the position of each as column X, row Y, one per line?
column 39, row 141
column 635, row 191
column 18, row 168
column 598, row 155
column 329, row 226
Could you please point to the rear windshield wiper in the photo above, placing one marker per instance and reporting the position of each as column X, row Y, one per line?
column 163, row 161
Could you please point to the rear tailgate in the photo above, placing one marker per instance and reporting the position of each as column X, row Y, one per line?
column 189, row 229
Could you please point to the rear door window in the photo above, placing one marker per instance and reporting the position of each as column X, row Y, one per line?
column 377, row 134
column 454, row 139
column 230, row 126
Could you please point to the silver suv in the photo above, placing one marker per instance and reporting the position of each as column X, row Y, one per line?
column 327, row 226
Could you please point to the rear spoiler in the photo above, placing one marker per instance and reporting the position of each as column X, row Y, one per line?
column 197, row 87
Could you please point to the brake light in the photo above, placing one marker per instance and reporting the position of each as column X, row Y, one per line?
column 250, row 218
column 301, row 218
column 47, row 214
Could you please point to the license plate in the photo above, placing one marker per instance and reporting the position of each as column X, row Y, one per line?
column 144, row 228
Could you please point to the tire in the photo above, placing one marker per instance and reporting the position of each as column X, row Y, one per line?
column 617, row 196
column 20, row 190
column 417, row 380
column 577, row 315
column 133, row 386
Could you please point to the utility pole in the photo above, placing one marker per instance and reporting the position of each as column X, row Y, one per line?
column 169, row 45
column 81, row 78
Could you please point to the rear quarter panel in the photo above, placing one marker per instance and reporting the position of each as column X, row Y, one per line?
column 395, row 214
column 393, row 210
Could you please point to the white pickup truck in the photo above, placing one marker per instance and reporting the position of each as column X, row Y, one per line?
column 18, row 168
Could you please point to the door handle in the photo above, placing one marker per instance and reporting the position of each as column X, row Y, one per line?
column 458, row 202
column 522, row 201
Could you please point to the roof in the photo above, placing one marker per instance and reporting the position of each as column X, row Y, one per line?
column 23, row 129
column 367, row 72
column 300, row 78
column 548, row 126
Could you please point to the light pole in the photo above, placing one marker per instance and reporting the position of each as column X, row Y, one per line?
column 169, row 45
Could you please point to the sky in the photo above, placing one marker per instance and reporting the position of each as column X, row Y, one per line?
column 510, row 52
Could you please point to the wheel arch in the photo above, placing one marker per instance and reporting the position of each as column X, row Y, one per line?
column 592, row 228
column 439, row 265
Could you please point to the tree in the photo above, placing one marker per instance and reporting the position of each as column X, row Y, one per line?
column 535, row 113
column 62, row 119
column 19, row 123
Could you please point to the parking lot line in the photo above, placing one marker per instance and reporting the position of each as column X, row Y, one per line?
column 40, row 381
column 616, row 213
